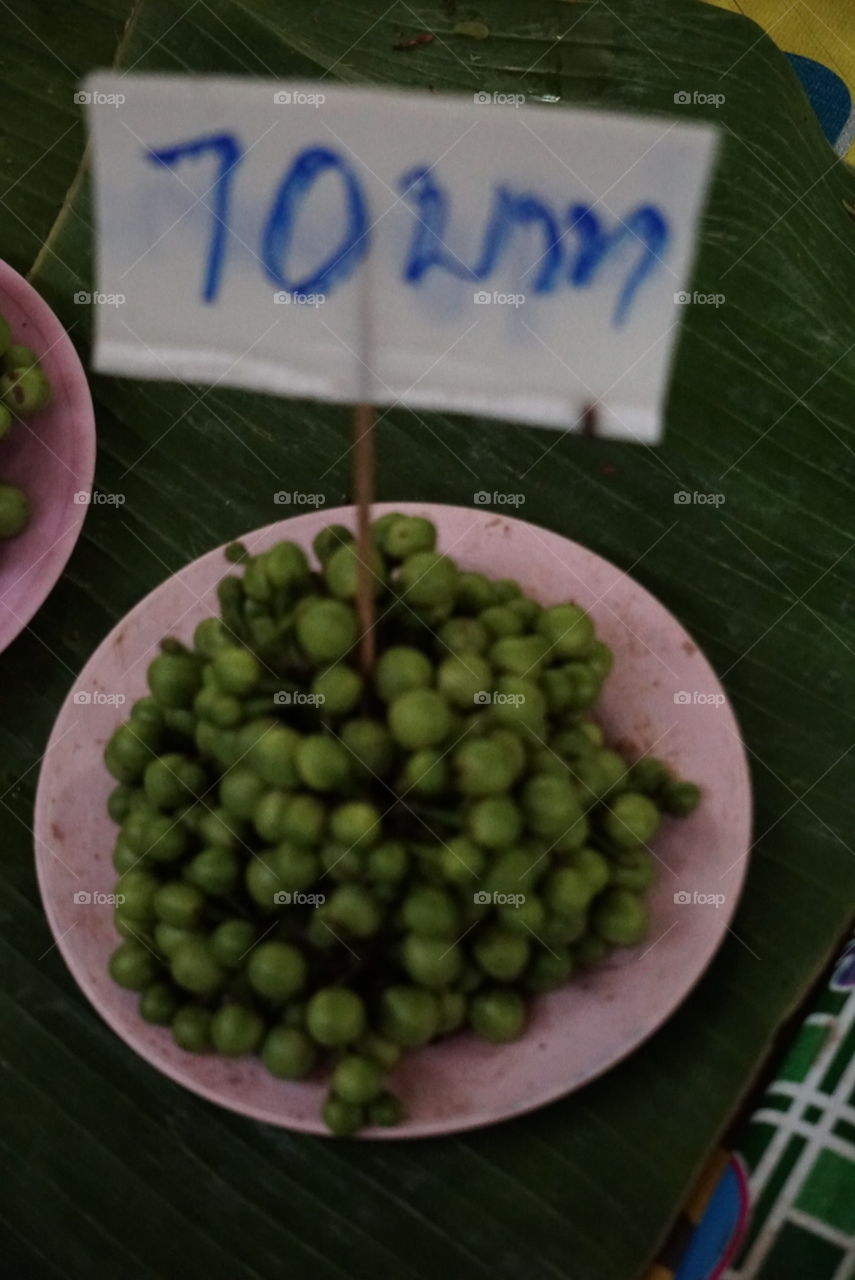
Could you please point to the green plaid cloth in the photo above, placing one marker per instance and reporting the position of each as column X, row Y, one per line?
column 799, row 1149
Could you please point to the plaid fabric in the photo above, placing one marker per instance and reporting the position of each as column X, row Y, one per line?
column 799, row 1148
column 792, row 1177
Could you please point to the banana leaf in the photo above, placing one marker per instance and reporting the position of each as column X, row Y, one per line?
column 113, row 1169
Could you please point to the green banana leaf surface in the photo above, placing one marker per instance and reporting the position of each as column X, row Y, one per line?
column 111, row 1169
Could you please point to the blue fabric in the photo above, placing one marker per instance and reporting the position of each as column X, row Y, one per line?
column 827, row 94
column 717, row 1229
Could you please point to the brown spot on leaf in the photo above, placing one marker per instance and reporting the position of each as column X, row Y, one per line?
column 425, row 37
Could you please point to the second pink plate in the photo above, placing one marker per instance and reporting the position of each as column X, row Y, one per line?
column 50, row 456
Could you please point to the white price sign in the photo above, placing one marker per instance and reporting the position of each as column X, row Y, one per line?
column 473, row 254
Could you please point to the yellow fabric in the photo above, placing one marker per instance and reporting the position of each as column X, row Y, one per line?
column 658, row 1272
column 822, row 29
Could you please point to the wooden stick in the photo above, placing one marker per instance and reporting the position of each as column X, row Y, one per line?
column 363, row 494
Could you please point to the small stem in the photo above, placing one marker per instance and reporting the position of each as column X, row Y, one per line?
column 363, row 493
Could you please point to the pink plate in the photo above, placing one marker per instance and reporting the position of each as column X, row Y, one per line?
column 662, row 696
column 50, row 456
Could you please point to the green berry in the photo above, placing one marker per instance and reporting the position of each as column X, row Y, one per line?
column 236, row 670
column 500, row 621
column 474, row 593
column 482, row 767
column 519, row 655
column 322, row 763
column 431, row 910
column 399, row 669
column 387, row 861
column 357, row 1079
column 18, row 356
column 303, row 821
column 341, row 1118
column 566, row 891
column 431, row 962
column 335, row 1016
column 680, row 798
column 297, row 867
column 385, row 1111
column 501, row 953
column 426, row 772
column 179, row 904
column 419, row 718
column 370, row 747
column 285, row 566
column 550, row 804
column 494, row 822
column 620, row 918
column 463, row 635
column 497, row 1014
column 631, row 819
column 231, row 941
column 288, row 1053
column 404, row 535
column 215, row 871
column 568, row 631
column 194, row 967
column 409, row 1016
column 158, row 1004
column 240, row 791
column 14, row 511
column 132, row 965
column 549, row 969
column 174, row 679
column 426, row 578
column 329, row 540
column 337, row 690
column 138, row 889
column 191, row 1028
column 25, row 390
column 353, row 910
column 326, row 630
column 463, row 679
column 342, row 571
column 236, row 1030
column 356, row 823
column 276, row 970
